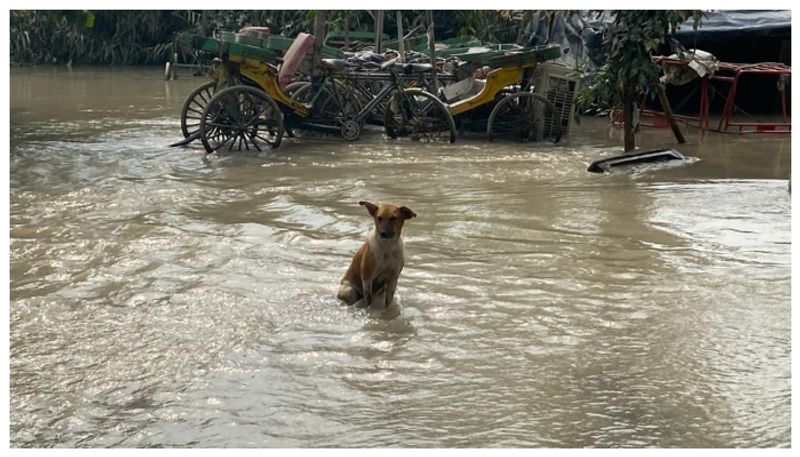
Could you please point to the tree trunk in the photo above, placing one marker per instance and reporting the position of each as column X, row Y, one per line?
column 526, row 18
column 628, row 99
column 204, row 29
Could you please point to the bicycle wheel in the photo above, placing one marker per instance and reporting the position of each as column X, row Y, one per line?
column 192, row 111
column 332, row 105
column 524, row 116
column 239, row 117
column 420, row 115
column 328, row 103
column 292, row 87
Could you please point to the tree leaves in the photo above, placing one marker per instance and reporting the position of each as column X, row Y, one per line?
column 628, row 43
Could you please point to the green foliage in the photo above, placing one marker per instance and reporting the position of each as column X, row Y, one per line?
column 86, row 18
column 145, row 37
column 133, row 37
column 98, row 37
column 488, row 26
column 628, row 43
column 280, row 22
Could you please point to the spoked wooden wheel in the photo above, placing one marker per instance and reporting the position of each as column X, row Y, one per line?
column 524, row 116
column 241, row 117
column 419, row 115
column 193, row 107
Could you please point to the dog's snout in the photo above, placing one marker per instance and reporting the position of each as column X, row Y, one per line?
column 386, row 233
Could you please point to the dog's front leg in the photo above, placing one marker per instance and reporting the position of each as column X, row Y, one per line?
column 391, row 287
column 367, row 288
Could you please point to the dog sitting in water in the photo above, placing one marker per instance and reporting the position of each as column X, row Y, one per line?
column 371, row 279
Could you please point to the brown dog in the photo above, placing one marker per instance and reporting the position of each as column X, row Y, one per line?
column 373, row 273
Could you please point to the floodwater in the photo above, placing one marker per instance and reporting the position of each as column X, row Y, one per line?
column 163, row 299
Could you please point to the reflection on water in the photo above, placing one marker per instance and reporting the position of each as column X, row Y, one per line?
column 159, row 299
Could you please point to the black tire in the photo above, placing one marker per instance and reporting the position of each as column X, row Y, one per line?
column 418, row 114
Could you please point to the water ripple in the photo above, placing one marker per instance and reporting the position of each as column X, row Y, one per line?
column 160, row 298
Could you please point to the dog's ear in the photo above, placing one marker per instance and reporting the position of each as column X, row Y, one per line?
column 372, row 208
column 407, row 212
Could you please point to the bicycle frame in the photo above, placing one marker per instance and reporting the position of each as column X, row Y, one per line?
column 395, row 83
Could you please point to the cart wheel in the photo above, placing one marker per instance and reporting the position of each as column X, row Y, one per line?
column 419, row 114
column 241, row 117
column 192, row 111
column 524, row 116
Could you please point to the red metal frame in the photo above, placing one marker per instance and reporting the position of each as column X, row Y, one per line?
column 703, row 117
column 730, row 73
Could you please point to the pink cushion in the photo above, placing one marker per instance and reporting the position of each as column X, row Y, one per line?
column 301, row 46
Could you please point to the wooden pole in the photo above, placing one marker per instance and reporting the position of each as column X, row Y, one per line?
column 347, row 30
column 319, row 37
column 662, row 96
column 401, row 46
column 432, row 51
column 379, row 30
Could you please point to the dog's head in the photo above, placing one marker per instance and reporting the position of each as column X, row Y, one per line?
column 388, row 218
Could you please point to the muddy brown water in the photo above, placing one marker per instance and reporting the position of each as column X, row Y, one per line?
column 162, row 299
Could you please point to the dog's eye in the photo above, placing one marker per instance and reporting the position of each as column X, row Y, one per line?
column 380, row 219
column 393, row 218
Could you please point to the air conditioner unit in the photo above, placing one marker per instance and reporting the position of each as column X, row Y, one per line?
column 558, row 84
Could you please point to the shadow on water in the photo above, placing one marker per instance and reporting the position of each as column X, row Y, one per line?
column 161, row 297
